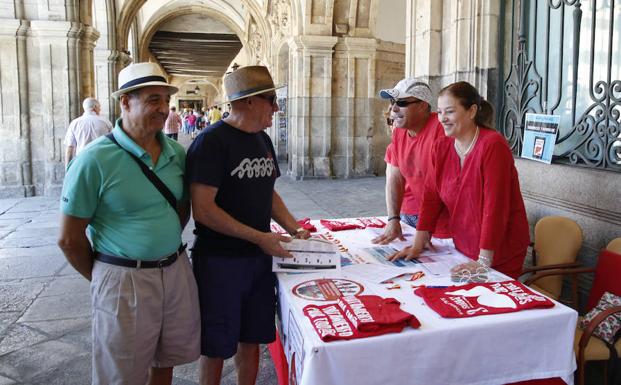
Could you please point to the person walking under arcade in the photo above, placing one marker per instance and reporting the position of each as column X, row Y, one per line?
column 172, row 124
column 85, row 129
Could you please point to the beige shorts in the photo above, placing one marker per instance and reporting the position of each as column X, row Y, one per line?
column 143, row 318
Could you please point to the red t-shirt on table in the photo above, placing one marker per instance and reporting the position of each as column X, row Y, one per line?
column 412, row 155
column 483, row 198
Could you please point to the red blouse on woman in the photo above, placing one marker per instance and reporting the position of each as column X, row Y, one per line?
column 483, row 199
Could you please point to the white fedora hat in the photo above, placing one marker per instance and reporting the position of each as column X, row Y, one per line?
column 138, row 75
column 248, row 81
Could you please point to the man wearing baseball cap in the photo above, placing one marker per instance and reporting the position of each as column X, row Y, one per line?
column 127, row 189
column 408, row 156
column 232, row 170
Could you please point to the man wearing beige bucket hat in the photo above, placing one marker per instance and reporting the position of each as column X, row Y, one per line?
column 232, row 169
column 127, row 188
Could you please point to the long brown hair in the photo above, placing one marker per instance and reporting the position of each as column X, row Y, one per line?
column 467, row 95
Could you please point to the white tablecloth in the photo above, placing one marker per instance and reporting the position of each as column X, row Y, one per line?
column 490, row 349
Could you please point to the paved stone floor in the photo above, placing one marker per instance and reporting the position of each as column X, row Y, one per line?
column 44, row 303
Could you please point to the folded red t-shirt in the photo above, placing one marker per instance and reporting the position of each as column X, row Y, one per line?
column 475, row 299
column 332, row 322
column 371, row 312
column 340, row 225
column 307, row 225
column 372, row 222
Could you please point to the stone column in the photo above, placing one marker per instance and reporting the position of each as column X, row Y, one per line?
column 424, row 40
column 451, row 41
column 56, row 79
column 353, row 100
column 310, row 94
column 88, row 38
column 15, row 147
column 108, row 63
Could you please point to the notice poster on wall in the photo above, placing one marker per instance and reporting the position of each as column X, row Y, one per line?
column 540, row 133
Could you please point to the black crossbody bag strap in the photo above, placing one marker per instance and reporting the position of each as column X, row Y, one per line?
column 157, row 182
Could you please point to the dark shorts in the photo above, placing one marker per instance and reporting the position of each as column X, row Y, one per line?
column 237, row 300
column 410, row 219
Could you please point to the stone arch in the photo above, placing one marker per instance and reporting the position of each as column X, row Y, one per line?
column 282, row 63
column 130, row 9
column 172, row 11
column 209, row 83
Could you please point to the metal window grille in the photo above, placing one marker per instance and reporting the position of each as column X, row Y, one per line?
column 564, row 59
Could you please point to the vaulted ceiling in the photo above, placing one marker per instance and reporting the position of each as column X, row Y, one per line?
column 195, row 45
column 199, row 54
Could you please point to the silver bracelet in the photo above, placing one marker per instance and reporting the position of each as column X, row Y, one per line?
column 485, row 261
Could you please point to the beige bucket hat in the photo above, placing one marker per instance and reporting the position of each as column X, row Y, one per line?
column 138, row 75
column 248, row 81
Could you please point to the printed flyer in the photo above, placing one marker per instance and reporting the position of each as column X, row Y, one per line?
column 540, row 133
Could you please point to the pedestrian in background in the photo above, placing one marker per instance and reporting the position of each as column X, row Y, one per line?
column 172, row 124
column 85, row 129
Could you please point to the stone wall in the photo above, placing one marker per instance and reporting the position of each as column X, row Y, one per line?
column 46, row 69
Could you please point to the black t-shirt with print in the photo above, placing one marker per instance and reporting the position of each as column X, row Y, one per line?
column 243, row 168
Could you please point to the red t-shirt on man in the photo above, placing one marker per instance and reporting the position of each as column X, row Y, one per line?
column 412, row 155
column 483, row 198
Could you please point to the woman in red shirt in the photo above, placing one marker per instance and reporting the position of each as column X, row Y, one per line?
column 474, row 177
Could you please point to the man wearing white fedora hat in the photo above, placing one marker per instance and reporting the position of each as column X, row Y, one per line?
column 231, row 169
column 127, row 189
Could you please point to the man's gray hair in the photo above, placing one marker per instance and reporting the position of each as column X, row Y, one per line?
column 89, row 104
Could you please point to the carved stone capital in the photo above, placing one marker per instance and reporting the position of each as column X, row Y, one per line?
column 12, row 28
column 54, row 30
column 89, row 36
column 316, row 45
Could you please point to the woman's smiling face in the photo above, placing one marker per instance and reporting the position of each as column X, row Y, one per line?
column 455, row 119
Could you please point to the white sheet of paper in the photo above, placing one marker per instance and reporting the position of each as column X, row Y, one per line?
column 376, row 273
column 311, row 255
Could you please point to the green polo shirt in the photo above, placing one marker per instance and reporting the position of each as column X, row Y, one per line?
column 129, row 216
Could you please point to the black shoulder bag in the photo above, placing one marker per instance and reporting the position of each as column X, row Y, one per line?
column 157, row 182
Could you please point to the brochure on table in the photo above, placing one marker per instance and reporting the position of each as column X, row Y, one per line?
column 540, row 133
column 309, row 255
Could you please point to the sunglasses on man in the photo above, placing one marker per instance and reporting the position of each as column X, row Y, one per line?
column 270, row 98
column 403, row 103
